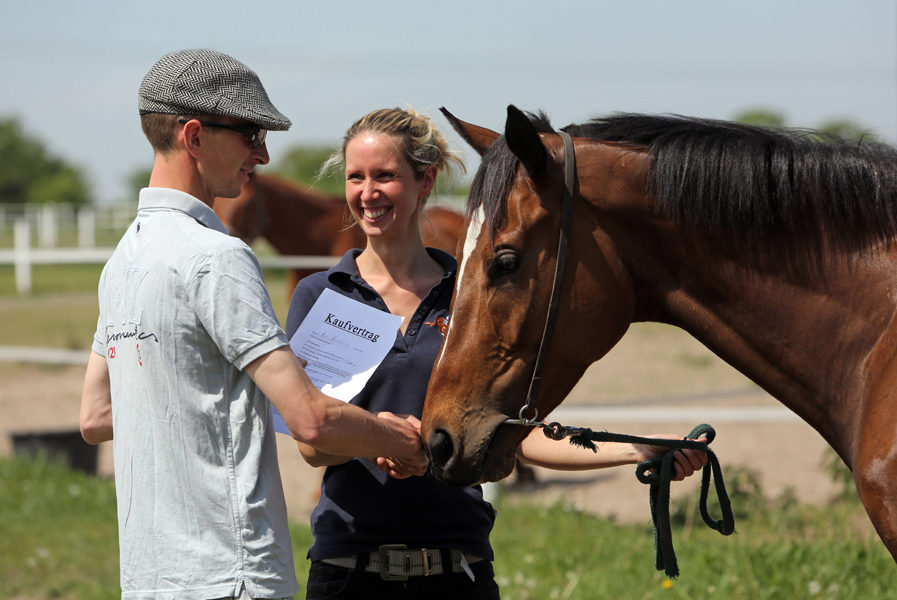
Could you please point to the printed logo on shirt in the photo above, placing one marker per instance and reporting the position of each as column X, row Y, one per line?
column 128, row 316
column 440, row 323
column 126, row 298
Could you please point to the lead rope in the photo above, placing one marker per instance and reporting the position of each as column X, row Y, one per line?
column 658, row 473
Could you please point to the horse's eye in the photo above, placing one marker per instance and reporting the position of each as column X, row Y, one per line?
column 504, row 263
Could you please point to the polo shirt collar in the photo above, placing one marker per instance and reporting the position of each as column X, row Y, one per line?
column 347, row 267
column 170, row 199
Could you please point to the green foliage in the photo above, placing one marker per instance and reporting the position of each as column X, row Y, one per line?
column 29, row 173
column 841, row 475
column 303, row 163
column 760, row 116
column 136, row 181
column 846, row 130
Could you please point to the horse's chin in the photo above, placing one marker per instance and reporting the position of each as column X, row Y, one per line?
column 501, row 455
column 493, row 460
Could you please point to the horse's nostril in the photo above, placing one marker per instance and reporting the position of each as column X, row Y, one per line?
column 441, row 447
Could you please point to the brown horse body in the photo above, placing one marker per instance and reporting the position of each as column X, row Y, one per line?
column 299, row 221
column 802, row 304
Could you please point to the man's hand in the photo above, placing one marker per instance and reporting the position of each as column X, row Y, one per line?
column 412, row 462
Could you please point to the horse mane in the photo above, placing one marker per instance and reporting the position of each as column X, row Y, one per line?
column 747, row 183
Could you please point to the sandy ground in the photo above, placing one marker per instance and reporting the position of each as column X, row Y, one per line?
column 785, row 454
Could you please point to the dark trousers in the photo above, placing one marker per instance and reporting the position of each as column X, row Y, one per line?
column 331, row 582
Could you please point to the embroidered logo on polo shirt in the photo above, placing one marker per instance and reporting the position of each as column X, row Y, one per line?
column 440, row 323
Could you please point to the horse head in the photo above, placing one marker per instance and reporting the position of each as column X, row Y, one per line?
column 507, row 263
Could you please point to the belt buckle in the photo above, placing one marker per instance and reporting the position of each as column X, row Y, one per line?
column 383, row 554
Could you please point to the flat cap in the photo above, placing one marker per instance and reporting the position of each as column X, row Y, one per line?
column 203, row 81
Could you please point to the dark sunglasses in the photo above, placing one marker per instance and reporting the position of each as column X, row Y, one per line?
column 254, row 134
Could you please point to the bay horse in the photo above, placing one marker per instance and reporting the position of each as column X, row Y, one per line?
column 774, row 248
column 300, row 221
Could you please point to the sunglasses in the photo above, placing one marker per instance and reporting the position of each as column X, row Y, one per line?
column 254, row 134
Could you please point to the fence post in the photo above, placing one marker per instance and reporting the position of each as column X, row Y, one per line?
column 46, row 231
column 87, row 219
column 22, row 236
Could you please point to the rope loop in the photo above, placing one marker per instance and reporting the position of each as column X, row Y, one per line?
column 658, row 473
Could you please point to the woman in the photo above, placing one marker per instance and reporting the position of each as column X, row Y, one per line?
column 369, row 528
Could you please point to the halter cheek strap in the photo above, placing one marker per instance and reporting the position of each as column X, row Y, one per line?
column 529, row 413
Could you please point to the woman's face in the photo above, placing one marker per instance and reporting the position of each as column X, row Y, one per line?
column 382, row 191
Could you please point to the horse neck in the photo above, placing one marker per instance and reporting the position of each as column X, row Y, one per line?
column 808, row 339
column 298, row 222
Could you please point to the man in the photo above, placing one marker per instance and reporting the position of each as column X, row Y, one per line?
column 188, row 347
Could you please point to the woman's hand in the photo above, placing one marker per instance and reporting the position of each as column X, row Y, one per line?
column 685, row 461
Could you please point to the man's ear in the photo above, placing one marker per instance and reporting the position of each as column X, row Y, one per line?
column 189, row 137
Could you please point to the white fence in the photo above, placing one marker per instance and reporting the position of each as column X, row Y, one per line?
column 48, row 221
column 53, row 224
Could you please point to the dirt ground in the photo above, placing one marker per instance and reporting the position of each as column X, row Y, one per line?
column 785, row 453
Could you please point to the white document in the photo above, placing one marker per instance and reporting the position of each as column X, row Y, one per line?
column 343, row 342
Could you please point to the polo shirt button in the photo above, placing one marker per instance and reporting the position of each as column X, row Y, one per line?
column 412, row 331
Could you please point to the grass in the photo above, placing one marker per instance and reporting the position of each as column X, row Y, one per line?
column 58, row 539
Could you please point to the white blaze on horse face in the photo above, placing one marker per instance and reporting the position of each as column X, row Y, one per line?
column 474, row 230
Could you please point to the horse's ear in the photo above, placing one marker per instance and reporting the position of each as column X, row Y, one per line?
column 524, row 141
column 478, row 137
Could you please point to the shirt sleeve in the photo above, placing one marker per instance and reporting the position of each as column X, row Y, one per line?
column 232, row 303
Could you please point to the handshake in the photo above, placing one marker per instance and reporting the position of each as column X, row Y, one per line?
column 409, row 458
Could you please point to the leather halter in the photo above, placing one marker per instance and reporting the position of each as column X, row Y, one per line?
column 566, row 213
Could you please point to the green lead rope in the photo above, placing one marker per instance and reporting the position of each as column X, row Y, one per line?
column 658, row 473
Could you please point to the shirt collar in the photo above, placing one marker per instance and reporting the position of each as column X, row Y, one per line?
column 346, row 265
column 169, row 199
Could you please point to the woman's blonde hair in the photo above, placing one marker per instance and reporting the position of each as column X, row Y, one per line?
column 419, row 140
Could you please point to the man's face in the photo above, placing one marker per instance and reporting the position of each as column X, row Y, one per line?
column 228, row 156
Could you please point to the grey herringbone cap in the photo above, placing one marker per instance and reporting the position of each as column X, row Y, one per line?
column 203, row 81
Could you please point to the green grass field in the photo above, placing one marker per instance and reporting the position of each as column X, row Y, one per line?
column 58, row 540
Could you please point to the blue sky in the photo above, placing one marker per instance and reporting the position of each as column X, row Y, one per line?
column 70, row 70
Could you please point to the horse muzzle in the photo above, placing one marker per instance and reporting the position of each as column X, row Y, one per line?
column 474, row 455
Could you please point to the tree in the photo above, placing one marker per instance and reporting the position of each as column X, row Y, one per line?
column 847, row 130
column 760, row 116
column 302, row 164
column 30, row 174
column 137, row 180
column 843, row 128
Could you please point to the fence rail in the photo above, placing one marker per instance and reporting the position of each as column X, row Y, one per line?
column 24, row 258
column 83, row 224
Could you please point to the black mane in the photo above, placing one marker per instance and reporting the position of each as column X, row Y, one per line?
column 745, row 182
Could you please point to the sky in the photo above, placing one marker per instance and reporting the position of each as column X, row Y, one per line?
column 69, row 71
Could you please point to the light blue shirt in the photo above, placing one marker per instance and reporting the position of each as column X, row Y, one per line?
column 183, row 310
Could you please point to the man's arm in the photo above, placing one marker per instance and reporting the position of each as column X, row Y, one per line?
column 329, row 425
column 96, row 402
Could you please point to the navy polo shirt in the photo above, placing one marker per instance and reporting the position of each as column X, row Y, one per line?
column 361, row 507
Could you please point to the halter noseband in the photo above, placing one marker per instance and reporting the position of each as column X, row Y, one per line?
column 566, row 212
